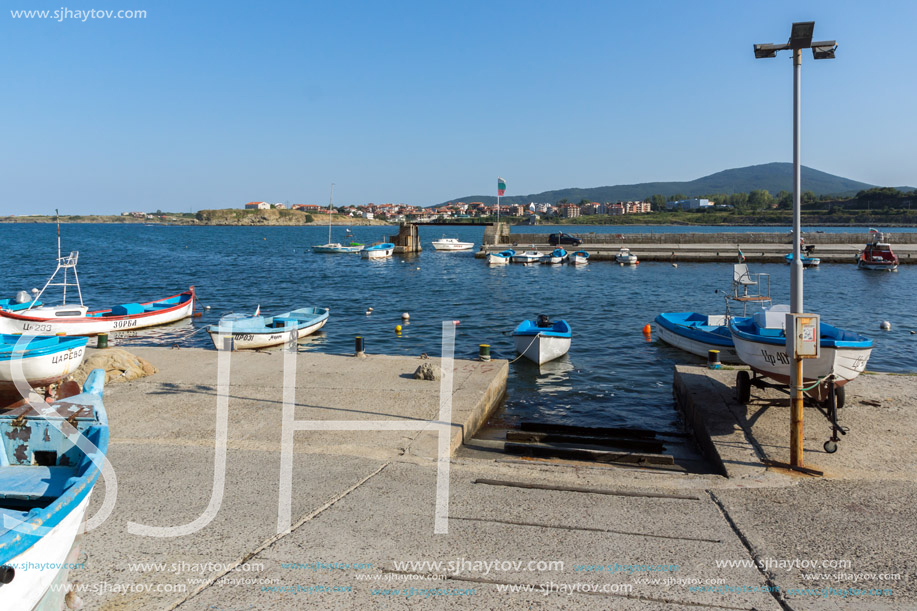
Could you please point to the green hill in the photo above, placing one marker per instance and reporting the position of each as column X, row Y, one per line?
column 773, row 177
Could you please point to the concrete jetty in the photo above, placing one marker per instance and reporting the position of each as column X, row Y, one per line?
column 521, row 533
column 757, row 247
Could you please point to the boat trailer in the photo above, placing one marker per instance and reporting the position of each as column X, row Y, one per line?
column 834, row 398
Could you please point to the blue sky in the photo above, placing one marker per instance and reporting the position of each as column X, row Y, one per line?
column 211, row 105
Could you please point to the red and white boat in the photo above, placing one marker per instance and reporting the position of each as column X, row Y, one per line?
column 878, row 254
column 77, row 320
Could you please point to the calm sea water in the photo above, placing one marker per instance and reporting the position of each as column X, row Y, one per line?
column 611, row 377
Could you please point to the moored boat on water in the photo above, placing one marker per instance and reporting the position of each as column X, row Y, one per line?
column 542, row 340
column 253, row 331
column 378, row 251
column 500, row 258
column 336, row 247
column 626, row 257
column 698, row 334
column 877, row 255
column 46, row 478
column 77, row 320
column 445, row 243
column 528, row 256
column 580, row 257
column 807, row 261
column 558, row 255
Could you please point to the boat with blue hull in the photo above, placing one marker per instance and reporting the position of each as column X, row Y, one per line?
column 253, row 331
column 38, row 360
column 807, row 261
column 698, row 334
column 542, row 340
column 22, row 301
column 501, row 258
column 50, row 460
column 378, row 251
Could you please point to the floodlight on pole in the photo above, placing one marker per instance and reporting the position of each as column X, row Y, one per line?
column 800, row 38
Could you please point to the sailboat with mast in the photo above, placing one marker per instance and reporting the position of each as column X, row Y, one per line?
column 336, row 247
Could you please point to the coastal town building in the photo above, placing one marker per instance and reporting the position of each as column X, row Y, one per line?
column 257, row 206
column 570, row 211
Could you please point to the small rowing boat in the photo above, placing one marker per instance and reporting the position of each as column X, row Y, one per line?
column 542, row 340
column 500, row 258
column 378, row 251
column 558, row 255
column 529, row 256
column 580, row 257
column 253, row 331
column 698, row 334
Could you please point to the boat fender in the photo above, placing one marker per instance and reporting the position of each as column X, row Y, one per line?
column 885, row 326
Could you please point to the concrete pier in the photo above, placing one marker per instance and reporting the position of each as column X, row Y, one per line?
column 522, row 533
column 708, row 247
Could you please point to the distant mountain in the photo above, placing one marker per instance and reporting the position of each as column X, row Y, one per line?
column 773, row 177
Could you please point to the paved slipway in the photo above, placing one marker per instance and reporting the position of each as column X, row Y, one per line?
column 363, row 502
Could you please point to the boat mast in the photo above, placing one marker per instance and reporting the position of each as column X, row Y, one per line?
column 330, row 207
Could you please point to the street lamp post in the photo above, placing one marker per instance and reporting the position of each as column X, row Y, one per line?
column 800, row 38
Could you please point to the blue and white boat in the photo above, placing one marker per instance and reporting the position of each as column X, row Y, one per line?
column 558, row 255
column 38, row 360
column 807, row 261
column 22, row 301
column 47, row 474
column 580, row 257
column 500, row 258
column 378, row 251
column 698, row 334
column 542, row 340
column 253, row 331
column 760, row 342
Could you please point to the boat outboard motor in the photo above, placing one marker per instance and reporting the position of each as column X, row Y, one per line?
column 22, row 297
column 544, row 321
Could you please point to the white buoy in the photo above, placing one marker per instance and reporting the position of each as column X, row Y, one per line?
column 405, row 316
column 675, row 265
column 886, row 326
column 206, row 307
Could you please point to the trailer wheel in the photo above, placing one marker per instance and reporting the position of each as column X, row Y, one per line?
column 743, row 387
column 839, row 396
column 830, row 447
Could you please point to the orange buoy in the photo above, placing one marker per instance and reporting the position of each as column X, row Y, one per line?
column 647, row 329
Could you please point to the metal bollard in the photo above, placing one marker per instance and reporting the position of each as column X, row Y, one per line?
column 484, row 352
column 358, row 345
column 713, row 359
column 102, row 340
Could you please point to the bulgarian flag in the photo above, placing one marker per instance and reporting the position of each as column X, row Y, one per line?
column 501, row 187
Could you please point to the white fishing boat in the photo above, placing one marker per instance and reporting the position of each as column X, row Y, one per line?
column 556, row 256
column 528, row 256
column 378, row 251
column 626, row 257
column 542, row 340
column 500, row 258
column 760, row 342
column 580, row 257
column 46, row 479
column 335, row 247
column 253, row 331
column 38, row 360
column 445, row 243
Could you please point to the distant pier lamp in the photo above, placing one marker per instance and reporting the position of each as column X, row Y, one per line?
column 800, row 38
